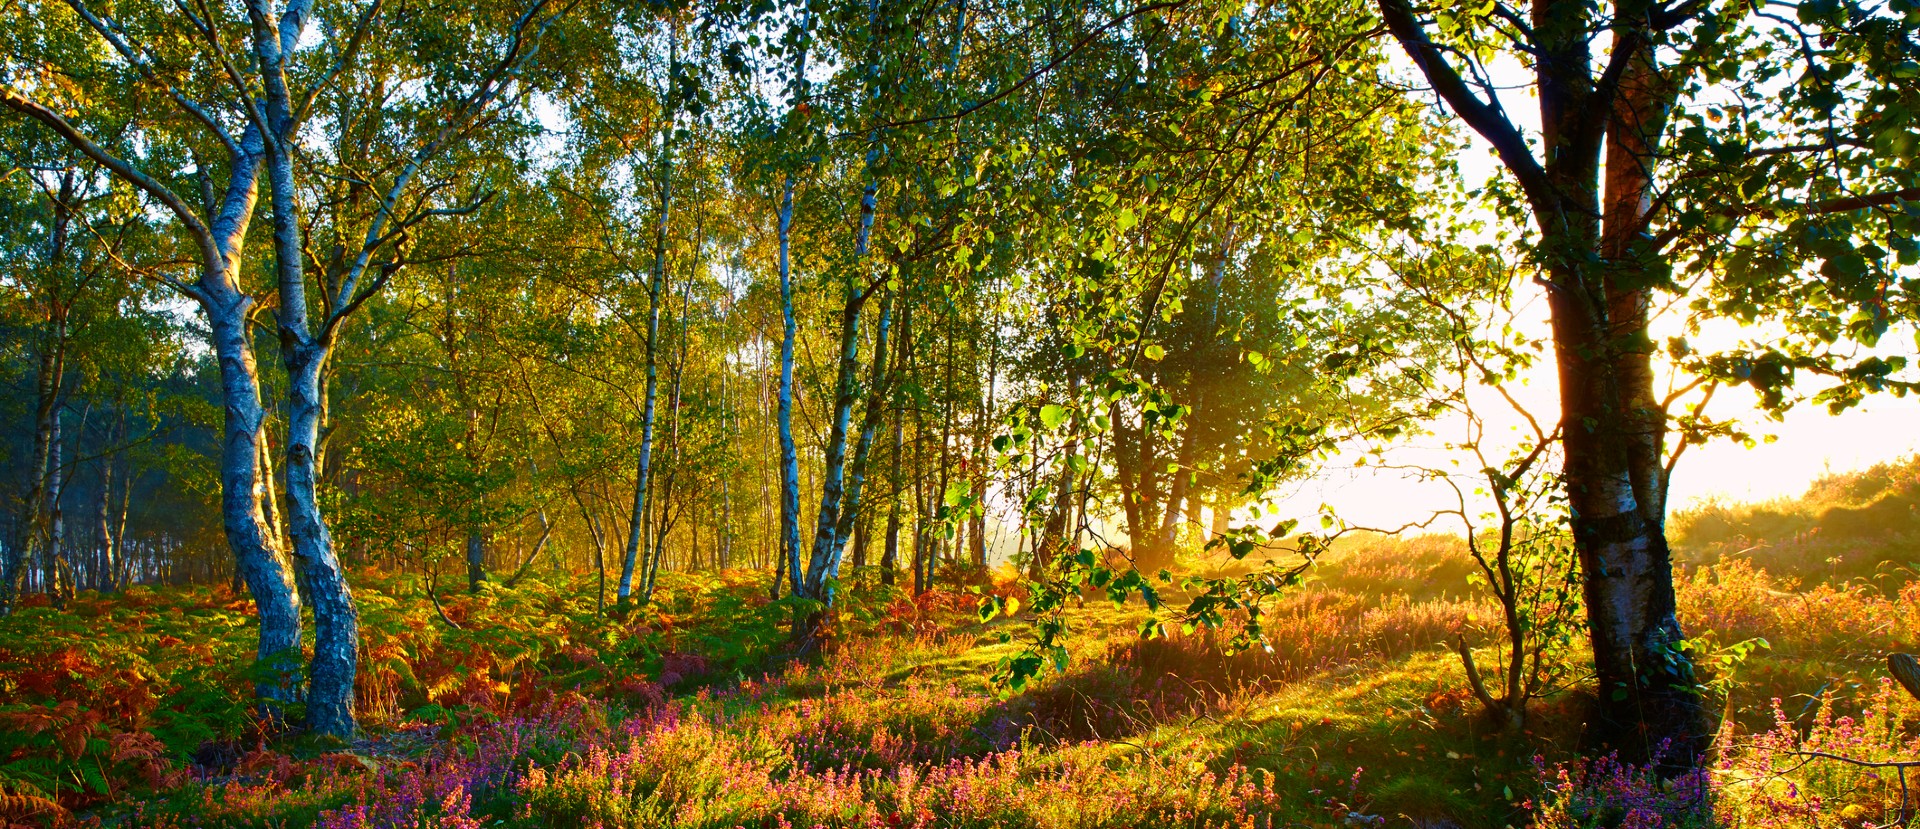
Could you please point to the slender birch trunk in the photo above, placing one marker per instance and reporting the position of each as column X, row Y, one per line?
column 51, row 552
column 890, row 552
column 665, row 524
column 656, row 283
column 789, row 454
column 828, row 565
column 43, row 466
column 846, row 390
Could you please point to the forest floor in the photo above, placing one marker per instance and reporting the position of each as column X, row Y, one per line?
column 536, row 710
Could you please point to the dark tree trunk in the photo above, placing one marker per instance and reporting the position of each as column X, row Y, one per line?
column 1612, row 424
column 31, row 533
column 476, row 559
column 890, row 551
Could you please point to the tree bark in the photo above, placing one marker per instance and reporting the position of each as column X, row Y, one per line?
column 336, row 622
column 41, row 468
column 890, row 550
column 789, row 455
column 476, row 559
column 665, row 524
column 1168, row 537
column 656, row 285
column 979, row 465
column 846, row 389
column 1612, row 425
column 105, row 563
column 53, row 552
column 260, row 559
column 853, row 509
column 1053, row 540
column 830, row 529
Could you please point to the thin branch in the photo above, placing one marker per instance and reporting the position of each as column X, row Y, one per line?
column 1024, row 81
column 143, row 64
column 1484, row 117
column 120, row 167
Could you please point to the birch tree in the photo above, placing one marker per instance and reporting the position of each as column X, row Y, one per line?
column 1746, row 144
column 203, row 136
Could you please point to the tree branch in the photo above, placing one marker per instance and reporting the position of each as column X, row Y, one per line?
column 1481, row 115
column 143, row 64
column 118, row 166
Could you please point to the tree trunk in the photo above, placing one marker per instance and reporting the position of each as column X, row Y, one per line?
column 220, row 239
column 539, row 546
column 1053, row 537
column 1136, row 462
column 336, row 622
column 257, row 554
column 833, row 470
column 665, row 524
column 599, row 539
column 31, row 533
column 763, row 540
column 1612, row 424
column 53, row 552
column 890, row 551
column 853, row 510
column 476, row 559
column 723, row 525
column 789, row 454
column 980, row 465
column 104, row 561
column 1168, row 539
column 123, row 574
column 922, row 566
column 656, row 284
column 837, row 505
column 862, row 539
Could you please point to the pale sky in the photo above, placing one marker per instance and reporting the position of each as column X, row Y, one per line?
column 1809, row 442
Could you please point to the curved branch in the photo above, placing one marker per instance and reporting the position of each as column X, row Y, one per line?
column 118, row 166
column 143, row 64
column 1484, row 117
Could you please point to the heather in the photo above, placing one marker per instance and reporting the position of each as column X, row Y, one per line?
column 894, row 723
column 528, row 705
column 1854, row 527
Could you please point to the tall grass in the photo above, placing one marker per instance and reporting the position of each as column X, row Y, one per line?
column 1859, row 526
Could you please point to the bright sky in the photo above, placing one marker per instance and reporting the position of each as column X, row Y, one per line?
column 1809, row 443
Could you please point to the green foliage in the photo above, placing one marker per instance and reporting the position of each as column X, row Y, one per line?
column 118, row 692
column 108, row 693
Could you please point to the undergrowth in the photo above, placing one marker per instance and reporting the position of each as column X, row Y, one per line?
column 526, row 707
